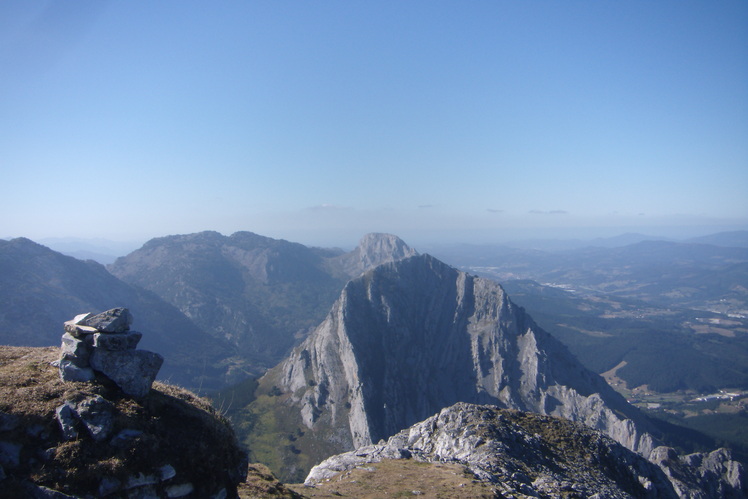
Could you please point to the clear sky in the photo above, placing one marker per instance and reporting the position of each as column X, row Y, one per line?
column 321, row 121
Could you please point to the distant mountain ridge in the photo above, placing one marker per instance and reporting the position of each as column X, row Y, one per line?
column 40, row 289
column 261, row 294
column 734, row 239
column 413, row 336
column 682, row 302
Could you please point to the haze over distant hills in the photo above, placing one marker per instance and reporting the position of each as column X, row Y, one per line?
column 239, row 286
column 627, row 305
column 106, row 251
column 101, row 250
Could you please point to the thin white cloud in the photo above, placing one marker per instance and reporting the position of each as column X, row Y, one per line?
column 329, row 207
column 548, row 212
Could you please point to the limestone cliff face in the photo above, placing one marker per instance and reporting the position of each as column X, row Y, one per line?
column 411, row 337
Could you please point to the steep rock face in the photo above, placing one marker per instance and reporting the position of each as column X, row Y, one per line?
column 703, row 475
column 528, row 455
column 413, row 336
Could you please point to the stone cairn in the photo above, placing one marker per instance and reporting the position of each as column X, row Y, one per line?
column 105, row 344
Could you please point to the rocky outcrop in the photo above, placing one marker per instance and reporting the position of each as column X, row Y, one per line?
column 703, row 475
column 60, row 439
column 105, row 344
column 413, row 336
column 529, row 455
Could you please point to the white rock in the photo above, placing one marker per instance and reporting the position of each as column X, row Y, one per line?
column 180, row 490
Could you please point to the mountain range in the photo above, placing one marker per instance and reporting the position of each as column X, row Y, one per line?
column 220, row 307
column 262, row 295
column 407, row 336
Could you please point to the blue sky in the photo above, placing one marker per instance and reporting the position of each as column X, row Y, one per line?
column 321, row 121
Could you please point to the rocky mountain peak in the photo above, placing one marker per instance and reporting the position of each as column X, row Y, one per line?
column 375, row 249
column 413, row 336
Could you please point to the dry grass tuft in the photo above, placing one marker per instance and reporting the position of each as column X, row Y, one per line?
column 261, row 484
column 401, row 478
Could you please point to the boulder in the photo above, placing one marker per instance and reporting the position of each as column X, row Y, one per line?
column 74, row 349
column 76, row 326
column 67, row 420
column 71, row 372
column 125, row 438
column 78, row 330
column 116, row 320
column 117, row 341
column 132, row 370
column 181, row 490
column 97, row 414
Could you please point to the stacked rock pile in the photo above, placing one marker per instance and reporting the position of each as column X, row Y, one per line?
column 105, row 344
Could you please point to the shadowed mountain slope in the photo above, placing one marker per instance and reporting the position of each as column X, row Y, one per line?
column 41, row 289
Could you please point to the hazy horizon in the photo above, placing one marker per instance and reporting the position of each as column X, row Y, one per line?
column 422, row 242
column 319, row 122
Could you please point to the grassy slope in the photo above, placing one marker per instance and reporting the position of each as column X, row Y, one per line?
column 277, row 437
column 178, row 429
